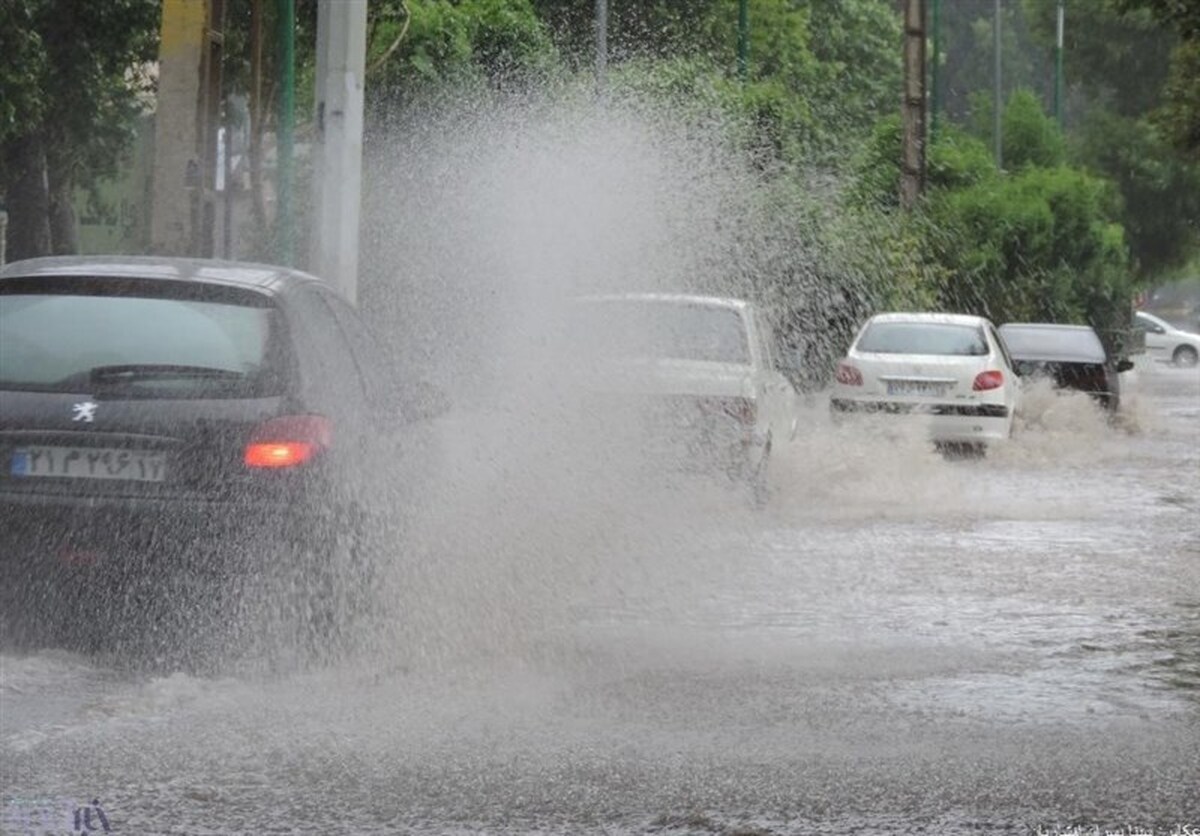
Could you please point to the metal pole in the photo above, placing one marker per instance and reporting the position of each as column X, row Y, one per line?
column 998, row 129
column 1058, row 65
column 337, row 150
column 285, row 233
column 743, row 39
column 601, row 42
column 934, row 90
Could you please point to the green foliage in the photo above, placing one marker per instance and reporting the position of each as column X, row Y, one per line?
column 1160, row 193
column 72, row 69
column 1029, row 137
column 1114, row 53
column 425, row 42
column 958, row 160
column 74, row 80
column 22, row 66
column 857, row 47
column 1180, row 114
column 955, row 160
column 969, row 56
column 820, row 73
column 1041, row 245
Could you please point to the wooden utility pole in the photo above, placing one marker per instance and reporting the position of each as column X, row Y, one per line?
column 912, row 162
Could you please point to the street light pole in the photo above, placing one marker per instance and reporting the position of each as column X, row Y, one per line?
column 997, row 128
column 1058, row 65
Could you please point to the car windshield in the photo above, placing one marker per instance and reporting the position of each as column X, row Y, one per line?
column 1037, row 343
column 662, row 329
column 1146, row 320
column 936, row 338
column 146, row 346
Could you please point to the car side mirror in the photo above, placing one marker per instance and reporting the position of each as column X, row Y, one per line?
column 1125, row 365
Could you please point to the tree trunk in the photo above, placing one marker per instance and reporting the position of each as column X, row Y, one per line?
column 64, row 232
column 27, row 200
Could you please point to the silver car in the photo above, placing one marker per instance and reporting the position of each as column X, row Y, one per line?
column 701, row 371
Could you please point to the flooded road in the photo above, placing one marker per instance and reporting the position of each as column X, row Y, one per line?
column 898, row 643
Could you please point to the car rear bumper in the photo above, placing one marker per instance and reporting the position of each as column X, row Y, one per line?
column 951, row 423
column 44, row 535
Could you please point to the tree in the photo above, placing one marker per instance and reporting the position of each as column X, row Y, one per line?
column 1129, row 62
column 1160, row 192
column 1180, row 112
column 423, row 45
column 1041, row 245
column 76, row 73
column 1030, row 138
column 1114, row 55
column 820, row 73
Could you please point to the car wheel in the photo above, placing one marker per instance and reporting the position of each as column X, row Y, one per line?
column 760, row 487
column 330, row 587
column 1185, row 356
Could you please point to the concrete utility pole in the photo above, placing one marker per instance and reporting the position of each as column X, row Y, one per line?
column 185, row 127
column 912, row 163
column 337, row 180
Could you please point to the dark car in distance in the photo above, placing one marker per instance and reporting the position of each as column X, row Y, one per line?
column 1072, row 356
column 170, row 425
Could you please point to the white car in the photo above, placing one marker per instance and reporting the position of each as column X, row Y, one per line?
column 702, row 369
column 1166, row 343
column 949, row 371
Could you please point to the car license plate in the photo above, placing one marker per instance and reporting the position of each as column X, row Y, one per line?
column 916, row 387
column 89, row 463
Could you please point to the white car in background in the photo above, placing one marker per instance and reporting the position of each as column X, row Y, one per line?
column 1166, row 343
column 950, row 372
column 698, row 373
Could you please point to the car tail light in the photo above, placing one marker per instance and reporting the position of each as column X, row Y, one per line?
column 848, row 375
column 288, row 441
column 741, row 410
column 985, row 381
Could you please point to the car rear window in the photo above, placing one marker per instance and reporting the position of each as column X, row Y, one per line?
column 91, row 339
column 662, row 329
column 931, row 338
column 1034, row 343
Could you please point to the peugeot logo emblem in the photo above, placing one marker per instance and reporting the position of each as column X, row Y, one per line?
column 85, row 412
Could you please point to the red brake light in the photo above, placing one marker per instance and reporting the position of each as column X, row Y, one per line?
column 848, row 375
column 988, row 380
column 288, row 441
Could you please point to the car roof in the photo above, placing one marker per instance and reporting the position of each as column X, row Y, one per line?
column 1045, row 326
column 936, row 318
column 1085, row 350
column 269, row 278
column 679, row 298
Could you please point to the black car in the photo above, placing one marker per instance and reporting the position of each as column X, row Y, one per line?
column 172, row 427
column 1070, row 355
